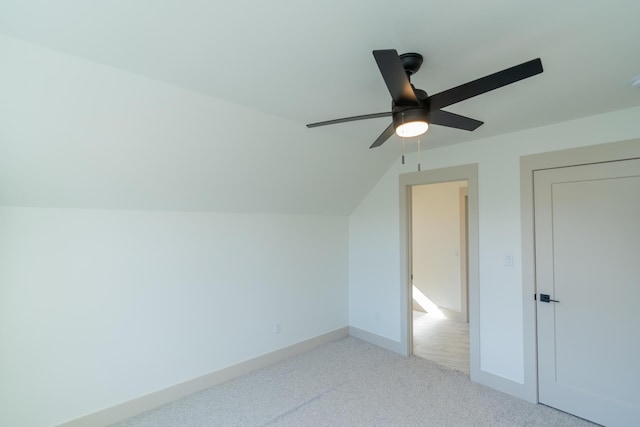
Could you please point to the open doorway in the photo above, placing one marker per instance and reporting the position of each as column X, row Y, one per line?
column 439, row 273
column 468, row 174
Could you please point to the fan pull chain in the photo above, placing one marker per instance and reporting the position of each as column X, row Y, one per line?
column 403, row 140
column 403, row 150
column 418, row 154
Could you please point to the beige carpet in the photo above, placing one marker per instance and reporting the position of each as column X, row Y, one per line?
column 352, row 383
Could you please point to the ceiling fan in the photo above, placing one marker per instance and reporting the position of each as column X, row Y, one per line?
column 412, row 110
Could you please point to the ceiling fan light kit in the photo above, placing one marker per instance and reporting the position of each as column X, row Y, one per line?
column 412, row 110
column 411, row 129
column 411, row 122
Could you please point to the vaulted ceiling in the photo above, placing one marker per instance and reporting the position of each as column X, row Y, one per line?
column 202, row 105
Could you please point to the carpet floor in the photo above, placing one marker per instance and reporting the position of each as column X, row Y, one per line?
column 352, row 383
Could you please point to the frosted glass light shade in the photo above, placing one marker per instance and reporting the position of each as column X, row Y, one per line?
column 409, row 129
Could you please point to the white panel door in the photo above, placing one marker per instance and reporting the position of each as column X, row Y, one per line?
column 587, row 231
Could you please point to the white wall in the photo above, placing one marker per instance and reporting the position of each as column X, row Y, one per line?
column 374, row 267
column 78, row 134
column 436, row 242
column 98, row 307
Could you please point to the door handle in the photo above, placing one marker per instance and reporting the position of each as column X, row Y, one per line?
column 547, row 298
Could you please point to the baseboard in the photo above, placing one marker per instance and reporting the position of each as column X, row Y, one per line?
column 156, row 399
column 502, row 384
column 488, row 379
column 374, row 339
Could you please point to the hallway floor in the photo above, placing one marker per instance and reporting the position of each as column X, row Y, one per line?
column 443, row 341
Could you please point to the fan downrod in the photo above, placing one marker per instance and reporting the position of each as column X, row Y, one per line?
column 411, row 62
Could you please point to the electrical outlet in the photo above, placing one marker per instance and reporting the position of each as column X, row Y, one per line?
column 277, row 328
column 376, row 316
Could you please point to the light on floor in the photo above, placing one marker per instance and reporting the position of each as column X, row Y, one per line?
column 428, row 305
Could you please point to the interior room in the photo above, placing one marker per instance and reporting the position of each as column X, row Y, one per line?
column 169, row 221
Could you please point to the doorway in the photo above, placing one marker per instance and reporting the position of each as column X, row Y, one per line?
column 469, row 175
column 439, row 273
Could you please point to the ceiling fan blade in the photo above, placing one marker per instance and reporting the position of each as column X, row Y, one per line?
column 388, row 132
column 350, row 119
column 486, row 84
column 395, row 77
column 452, row 120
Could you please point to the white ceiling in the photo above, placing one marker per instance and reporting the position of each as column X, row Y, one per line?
column 281, row 64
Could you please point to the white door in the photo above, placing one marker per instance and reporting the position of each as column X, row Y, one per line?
column 587, row 231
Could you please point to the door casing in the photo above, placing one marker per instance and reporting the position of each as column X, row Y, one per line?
column 435, row 176
column 580, row 211
column 601, row 153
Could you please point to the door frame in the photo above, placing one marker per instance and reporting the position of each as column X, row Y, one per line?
column 610, row 152
column 467, row 173
column 464, row 254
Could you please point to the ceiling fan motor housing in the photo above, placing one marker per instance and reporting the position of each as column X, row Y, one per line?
column 407, row 115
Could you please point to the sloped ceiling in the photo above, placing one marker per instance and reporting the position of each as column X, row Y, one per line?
column 201, row 105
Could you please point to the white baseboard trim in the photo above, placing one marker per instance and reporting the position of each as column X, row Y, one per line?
column 374, row 339
column 156, row 399
column 488, row 379
column 502, row 384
